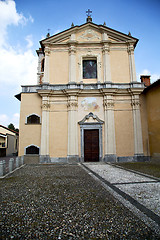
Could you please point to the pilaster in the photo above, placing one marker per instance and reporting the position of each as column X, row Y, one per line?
column 72, row 62
column 72, row 106
column 46, row 64
column 109, row 141
column 132, row 64
column 138, row 142
column 106, row 63
column 45, row 127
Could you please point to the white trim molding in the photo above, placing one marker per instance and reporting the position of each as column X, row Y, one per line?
column 31, row 115
column 31, row 146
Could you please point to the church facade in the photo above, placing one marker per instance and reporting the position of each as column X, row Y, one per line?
column 87, row 103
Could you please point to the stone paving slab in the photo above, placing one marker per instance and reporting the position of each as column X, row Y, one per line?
column 143, row 190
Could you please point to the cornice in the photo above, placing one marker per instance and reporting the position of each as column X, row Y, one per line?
column 77, row 88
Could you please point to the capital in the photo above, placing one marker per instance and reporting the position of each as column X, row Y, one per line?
column 47, row 51
column 72, row 49
column 135, row 103
column 108, row 104
column 130, row 49
column 105, row 49
column 45, row 106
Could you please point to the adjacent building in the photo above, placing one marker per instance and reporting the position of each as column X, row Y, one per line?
column 8, row 142
column 151, row 94
column 86, row 105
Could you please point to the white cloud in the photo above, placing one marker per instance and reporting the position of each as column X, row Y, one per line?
column 29, row 41
column 5, row 120
column 10, row 16
column 17, row 66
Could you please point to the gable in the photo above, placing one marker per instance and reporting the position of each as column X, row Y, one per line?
column 89, row 32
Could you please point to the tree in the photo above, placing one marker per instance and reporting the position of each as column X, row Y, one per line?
column 12, row 127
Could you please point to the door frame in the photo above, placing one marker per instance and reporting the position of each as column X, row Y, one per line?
column 97, row 141
column 88, row 126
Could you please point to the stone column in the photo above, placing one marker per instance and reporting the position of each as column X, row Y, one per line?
column 72, row 63
column 138, row 142
column 109, row 132
column 133, row 77
column 106, row 64
column 45, row 130
column 72, row 129
column 46, row 65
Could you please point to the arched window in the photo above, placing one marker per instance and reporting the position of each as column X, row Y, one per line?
column 32, row 150
column 33, row 119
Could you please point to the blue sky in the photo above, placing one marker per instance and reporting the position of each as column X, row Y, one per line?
column 23, row 23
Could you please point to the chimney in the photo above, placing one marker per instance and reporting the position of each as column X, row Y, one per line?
column 146, row 80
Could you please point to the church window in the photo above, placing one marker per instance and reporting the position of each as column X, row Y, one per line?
column 42, row 65
column 32, row 150
column 33, row 119
column 89, row 68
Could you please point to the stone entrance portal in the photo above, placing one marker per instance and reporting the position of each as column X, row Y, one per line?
column 91, row 145
column 91, row 138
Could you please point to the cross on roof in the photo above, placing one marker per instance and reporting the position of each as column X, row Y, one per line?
column 88, row 13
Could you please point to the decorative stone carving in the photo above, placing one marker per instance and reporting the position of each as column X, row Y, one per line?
column 135, row 103
column 89, row 34
column 72, row 49
column 105, row 49
column 91, row 115
column 45, row 106
column 108, row 104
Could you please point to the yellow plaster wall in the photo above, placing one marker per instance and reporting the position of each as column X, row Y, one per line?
column 58, row 134
column 29, row 133
column 124, row 133
column 144, row 124
column 153, row 112
column 119, row 66
column 59, row 67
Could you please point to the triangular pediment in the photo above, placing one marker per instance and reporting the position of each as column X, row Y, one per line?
column 90, row 118
column 89, row 32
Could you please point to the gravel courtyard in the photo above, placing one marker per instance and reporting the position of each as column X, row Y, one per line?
column 63, row 202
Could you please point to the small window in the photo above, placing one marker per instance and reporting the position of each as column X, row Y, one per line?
column 89, row 69
column 33, row 119
column 42, row 65
column 32, row 150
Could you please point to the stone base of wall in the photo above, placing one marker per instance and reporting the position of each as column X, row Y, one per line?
column 136, row 158
column 31, row 159
column 35, row 159
column 110, row 158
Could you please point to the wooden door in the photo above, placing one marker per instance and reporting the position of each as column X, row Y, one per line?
column 91, row 145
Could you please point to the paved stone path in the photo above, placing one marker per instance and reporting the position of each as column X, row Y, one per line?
column 64, row 202
column 142, row 192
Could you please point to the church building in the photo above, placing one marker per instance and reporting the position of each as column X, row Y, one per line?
column 87, row 104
